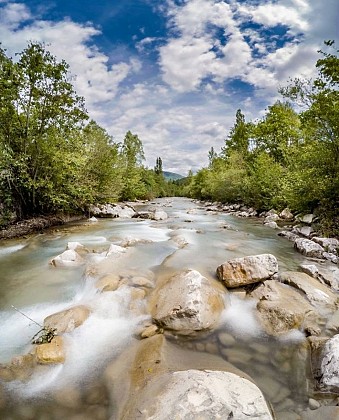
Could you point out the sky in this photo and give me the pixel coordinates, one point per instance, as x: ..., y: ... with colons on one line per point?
x: 174, y: 72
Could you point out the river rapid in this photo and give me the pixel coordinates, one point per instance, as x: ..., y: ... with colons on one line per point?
x: 191, y: 238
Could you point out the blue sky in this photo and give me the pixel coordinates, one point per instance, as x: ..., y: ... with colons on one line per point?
x: 175, y: 71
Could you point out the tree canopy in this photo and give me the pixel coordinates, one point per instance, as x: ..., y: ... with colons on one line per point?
x: 288, y: 158
x: 51, y: 158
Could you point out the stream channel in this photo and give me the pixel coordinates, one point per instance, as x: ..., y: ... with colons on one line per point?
x: 191, y: 238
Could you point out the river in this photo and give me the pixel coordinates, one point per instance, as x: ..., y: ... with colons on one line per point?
x: 191, y: 238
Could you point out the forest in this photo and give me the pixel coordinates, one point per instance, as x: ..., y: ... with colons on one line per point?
x: 54, y: 159
x: 289, y: 158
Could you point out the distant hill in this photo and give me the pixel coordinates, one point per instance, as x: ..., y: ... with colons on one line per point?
x: 172, y: 176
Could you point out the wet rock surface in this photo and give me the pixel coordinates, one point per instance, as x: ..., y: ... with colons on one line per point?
x: 188, y: 343
x: 247, y: 270
x: 51, y: 353
x: 281, y: 309
x: 187, y: 303
x: 67, y: 320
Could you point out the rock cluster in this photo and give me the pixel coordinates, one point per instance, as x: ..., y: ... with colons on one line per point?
x: 112, y: 210
x: 187, y: 308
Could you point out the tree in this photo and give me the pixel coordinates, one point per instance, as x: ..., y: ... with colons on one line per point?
x: 103, y: 168
x: 39, y: 110
x: 158, y: 166
x: 279, y: 130
x: 132, y: 154
x: 238, y: 138
x: 320, y: 120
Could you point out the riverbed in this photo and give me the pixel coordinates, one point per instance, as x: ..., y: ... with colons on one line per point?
x: 190, y: 238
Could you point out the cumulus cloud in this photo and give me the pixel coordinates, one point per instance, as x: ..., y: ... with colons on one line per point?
x: 97, y: 81
x: 190, y: 105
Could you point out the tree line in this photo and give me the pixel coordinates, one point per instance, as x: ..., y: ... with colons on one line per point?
x: 289, y: 158
x: 52, y: 157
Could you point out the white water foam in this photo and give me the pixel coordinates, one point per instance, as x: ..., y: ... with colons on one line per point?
x: 89, y: 347
x: 6, y: 250
x: 239, y: 318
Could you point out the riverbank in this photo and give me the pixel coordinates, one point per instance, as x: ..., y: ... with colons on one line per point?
x: 36, y: 225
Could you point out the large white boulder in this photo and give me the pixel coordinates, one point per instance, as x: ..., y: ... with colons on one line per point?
x: 309, y: 248
x: 68, y: 258
x: 159, y: 215
x: 247, y: 270
x: 330, y: 364
x: 196, y: 394
x: 188, y: 302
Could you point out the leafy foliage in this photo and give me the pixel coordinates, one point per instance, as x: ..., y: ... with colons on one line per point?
x: 287, y: 158
x: 50, y: 159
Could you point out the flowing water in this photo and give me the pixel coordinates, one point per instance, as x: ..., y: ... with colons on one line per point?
x: 191, y: 238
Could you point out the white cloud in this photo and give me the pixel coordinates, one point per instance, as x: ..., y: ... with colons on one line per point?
x: 13, y: 14
x: 188, y: 107
x: 272, y: 14
x: 95, y: 79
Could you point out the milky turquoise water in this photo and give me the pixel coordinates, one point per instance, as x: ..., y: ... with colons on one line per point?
x: 190, y: 238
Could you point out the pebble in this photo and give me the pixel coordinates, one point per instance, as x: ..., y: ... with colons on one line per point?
x: 226, y: 339
x: 212, y: 348
x: 313, y: 404
x: 149, y: 331
x: 238, y: 355
x: 260, y: 348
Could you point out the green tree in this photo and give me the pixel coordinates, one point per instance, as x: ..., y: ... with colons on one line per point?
x: 132, y: 154
x: 320, y: 120
x: 39, y: 110
x: 238, y: 139
x: 158, y: 166
x: 103, y: 169
x: 279, y: 130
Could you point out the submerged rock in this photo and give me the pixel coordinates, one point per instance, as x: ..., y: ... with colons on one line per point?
x: 247, y: 270
x: 115, y: 250
x: 187, y: 303
x: 108, y: 283
x: 20, y: 368
x: 67, y: 320
x: 150, y: 331
x: 168, y: 382
x: 77, y: 247
x: 281, y: 309
x: 317, y: 293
